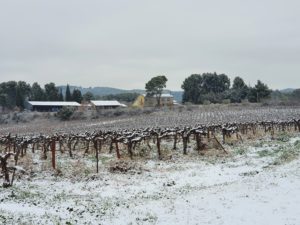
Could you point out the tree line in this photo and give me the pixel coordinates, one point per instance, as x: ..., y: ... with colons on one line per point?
x: 13, y: 94
x: 198, y: 89
x: 124, y: 97
x: 216, y: 88
x: 209, y: 88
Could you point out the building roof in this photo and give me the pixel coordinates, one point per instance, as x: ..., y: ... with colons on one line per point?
x: 166, y: 95
x: 42, y: 103
x: 107, y: 103
x: 175, y: 102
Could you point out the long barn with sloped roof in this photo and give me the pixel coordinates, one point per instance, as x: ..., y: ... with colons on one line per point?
x: 47, y: 106
x: 105, y: 104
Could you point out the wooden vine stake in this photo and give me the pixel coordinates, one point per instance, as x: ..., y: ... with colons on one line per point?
x: 53, y: 153
x: 97, y: 156
x: 219, y: 144
x: 117, y: 150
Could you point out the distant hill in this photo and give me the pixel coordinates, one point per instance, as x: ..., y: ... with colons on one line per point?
x: 287, y: 90
x: 177, y: 95
x: 101, y: 91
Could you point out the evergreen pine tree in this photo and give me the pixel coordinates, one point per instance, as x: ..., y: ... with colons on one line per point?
x: 77, y: 96
x: 37, y: 93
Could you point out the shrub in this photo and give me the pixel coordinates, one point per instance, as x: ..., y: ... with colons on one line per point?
x: 206, y: 102
x: 283, y: 137
x: 226, y: 101
x: 65, y: 113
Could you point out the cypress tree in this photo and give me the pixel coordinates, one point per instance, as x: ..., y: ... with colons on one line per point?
x: 68, y: 94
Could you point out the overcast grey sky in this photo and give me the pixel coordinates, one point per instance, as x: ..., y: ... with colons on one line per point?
x: 124, y: 43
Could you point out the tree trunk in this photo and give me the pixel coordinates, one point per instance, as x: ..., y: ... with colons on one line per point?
x: 130, y: 149
x: 175, y: 142
x: 158, y: 147
x: 185, y: 142
x: 53, y: 149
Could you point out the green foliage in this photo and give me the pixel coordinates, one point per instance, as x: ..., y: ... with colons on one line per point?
x: 297, y: 144
x: 3, y: 98
x: 238, y: 83
x: 155, y: 87
x: 239, y: 90
x: 124, y: 97
x: 61, y: 96
x: 65, y: 113
x: 213, y: 97
x: 252, y: 95
x: 192, y: 88
x: 215, y: 88
x: 206, y: 102
x: 68, y: 94
x: 278, y: 97
x: 240, y: 151
x: 265, y: 153
x: 262, y: 91
x: 238, y: 95
x: 214, y: 83
x: 286, y: 155
x: 259, y: 92
x: 283, y: 137
x: 206, y: 87
x: 282, y: 152
x: 8, y: 90
x: 77, y: 96
x: 14, y: 93
x: 23, y: 91
x: 51, y: 92
x: 296, y: 94
x: 37, y: 93
x: 88, y: 96
x: 226, y: 101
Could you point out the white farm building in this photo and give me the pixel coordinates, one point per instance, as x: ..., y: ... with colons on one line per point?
x: 47, y: 106
x: 105, y: 104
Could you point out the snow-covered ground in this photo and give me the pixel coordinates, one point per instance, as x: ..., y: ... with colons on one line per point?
x: 257, y: 183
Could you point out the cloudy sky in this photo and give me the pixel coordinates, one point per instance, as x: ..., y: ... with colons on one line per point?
x: 123, y: 43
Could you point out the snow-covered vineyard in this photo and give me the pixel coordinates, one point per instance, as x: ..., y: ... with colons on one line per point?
x: 257, y: 184
x: 236, y: 166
